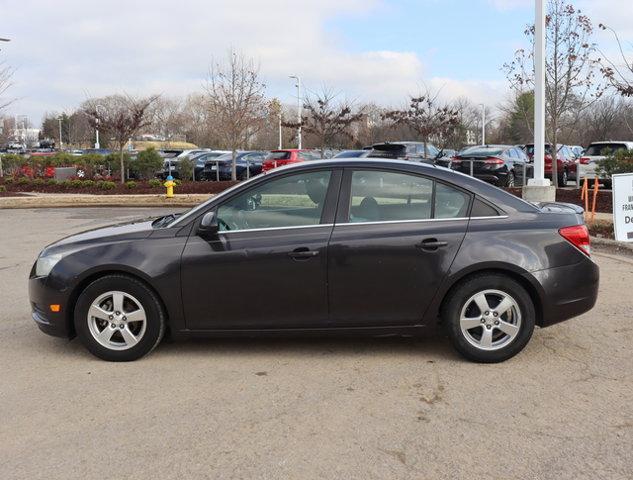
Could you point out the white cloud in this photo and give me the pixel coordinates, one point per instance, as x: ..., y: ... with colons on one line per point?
x: 66, y: 51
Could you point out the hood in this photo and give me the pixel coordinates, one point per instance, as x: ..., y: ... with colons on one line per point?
x: 121, y: 232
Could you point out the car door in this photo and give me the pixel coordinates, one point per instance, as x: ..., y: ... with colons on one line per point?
x: 267, y: 266
x: 395, y: 237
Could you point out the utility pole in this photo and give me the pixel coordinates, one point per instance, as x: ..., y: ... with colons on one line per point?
x: 299, y: 108
x: 538, y: 188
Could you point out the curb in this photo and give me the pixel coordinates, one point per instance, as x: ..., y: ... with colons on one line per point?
x: 77, y: 201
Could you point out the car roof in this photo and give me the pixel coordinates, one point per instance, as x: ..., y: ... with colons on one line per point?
x: 601, y: 142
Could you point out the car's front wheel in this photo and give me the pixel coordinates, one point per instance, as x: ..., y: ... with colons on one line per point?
x: 119, y: 319
x: 489, y: 318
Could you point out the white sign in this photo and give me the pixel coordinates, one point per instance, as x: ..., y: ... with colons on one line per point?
x: 623, y: 206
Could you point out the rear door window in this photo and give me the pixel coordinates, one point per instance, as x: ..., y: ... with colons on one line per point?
x: 380, y: 196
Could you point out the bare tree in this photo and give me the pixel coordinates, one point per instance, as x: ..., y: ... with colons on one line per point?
x: 570, y: 65
x: 6, y: 74
x: 619, y: 76
x: 120, y: 117
x: 327, y: 119
x: 235, y: 100
x: 426, y: 117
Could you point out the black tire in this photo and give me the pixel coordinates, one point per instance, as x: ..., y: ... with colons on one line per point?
x: 510, y: 179
x: 464, y: 291
x: 154, y: 323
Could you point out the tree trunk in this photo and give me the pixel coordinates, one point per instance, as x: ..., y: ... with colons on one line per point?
x: 121, y: 158
x: 234, y: 165
x: 554, y: 156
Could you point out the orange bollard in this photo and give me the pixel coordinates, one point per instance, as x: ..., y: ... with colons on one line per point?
x: 595, y: 197
x: 584, y: 195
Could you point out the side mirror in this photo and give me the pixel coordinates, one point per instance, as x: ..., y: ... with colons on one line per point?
x: 208, y: 225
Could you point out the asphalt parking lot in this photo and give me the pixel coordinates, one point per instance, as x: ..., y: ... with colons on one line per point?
x: 309, y: 408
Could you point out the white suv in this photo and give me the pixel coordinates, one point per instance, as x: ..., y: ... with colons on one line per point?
x: 595, y: 153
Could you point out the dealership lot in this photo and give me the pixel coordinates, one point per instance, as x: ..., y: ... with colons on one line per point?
x: 310, y: 408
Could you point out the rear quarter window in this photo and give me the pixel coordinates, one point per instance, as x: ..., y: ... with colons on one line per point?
x: 482, y: 209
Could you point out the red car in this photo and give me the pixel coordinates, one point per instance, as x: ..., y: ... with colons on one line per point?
x: 566, y: 165
x: 278, y: 158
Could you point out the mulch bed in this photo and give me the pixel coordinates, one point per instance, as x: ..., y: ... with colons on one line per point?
x: 12, y: 194
x: 141, y: 188
x: 604, y: 200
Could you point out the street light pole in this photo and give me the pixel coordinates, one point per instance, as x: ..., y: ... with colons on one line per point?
x: 61, y: 143
x: 483, y: 124
x: 280, y: 137
x: 97, y: 144
x: 539, y: 96
x: 299, y: 108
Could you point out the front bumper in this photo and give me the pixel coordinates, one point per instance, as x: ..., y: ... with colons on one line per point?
x: 569, y: 291
x: 41, y: 296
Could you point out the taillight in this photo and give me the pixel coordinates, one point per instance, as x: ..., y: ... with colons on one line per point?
x: 455, y: 160
x: 494, y: 161
x: 584, y: 160
x: 578, y: 236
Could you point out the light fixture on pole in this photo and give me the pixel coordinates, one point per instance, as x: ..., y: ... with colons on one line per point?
x: 299, y: 108
x: 483, y: 123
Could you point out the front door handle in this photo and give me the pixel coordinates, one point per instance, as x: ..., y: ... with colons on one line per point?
x: 303, y: 253
x: 431, y: 244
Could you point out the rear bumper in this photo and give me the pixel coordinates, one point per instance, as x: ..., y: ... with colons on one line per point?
x: 41, y: 297
x: 569, y: 291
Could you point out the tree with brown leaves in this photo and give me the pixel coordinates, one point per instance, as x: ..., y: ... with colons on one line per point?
x: 426, y: 117
x: 619, y: 76
x: 120, y: 117
x: 570, y: 66
x: 326, y: 119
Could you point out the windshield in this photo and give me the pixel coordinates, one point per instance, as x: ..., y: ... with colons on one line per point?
x: 278, y: 156
x: 604, y: 148
x: 529, y: 149
x: 351, y: 154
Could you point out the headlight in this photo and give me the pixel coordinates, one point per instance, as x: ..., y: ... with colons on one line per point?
x: 45, y: 264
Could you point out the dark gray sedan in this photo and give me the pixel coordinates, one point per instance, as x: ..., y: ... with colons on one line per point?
x: 369, y: 246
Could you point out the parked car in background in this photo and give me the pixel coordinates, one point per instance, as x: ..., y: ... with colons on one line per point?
x: 594, y: 154
x: 501, y: 165
x: 353, y: 154
x: 173, y: 158
x: 566, y: 165
x: 278, y: 158
x: 407, y: 150
x: 247, y: 164
x: 365, y: 246
x: 577, y: 150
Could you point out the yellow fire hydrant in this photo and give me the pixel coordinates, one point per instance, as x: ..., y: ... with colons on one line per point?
x: 169, y: 184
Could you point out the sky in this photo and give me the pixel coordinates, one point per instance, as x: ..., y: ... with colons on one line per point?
x: 368, y: 50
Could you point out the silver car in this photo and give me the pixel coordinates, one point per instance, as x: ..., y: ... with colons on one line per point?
x: 595, y: 153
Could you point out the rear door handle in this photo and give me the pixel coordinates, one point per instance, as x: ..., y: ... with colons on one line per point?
x: 303, y: 253
x: 431, y: 244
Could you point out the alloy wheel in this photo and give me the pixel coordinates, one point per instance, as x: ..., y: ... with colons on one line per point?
x: 490, y: 320
x: 117, y: 320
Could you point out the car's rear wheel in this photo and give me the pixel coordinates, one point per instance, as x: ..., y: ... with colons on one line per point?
x: 489, y: 318
x: 119, y: 319
x: 510, y: 181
